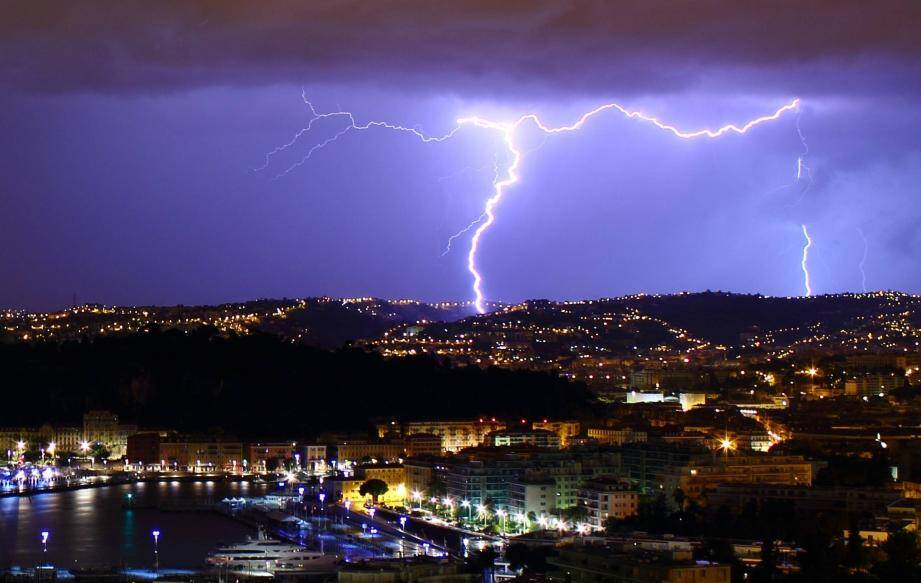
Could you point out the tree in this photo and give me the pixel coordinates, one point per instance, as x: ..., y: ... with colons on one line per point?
x: 482, y: 561
x: 531, y: 559
x: 718, y: 550
x: 373, y: 487
x: 99, y: 451
x: 679, y: 497
x: 576, y: 513
x: 855, y: 555
x: 903, y: 558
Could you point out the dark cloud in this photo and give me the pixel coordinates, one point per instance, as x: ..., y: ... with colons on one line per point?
x: 639, y: 45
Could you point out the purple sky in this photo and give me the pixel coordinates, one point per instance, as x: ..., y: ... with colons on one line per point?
x: 129, y: 133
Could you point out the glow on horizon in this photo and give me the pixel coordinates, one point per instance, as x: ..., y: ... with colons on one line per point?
x: 508, y: 130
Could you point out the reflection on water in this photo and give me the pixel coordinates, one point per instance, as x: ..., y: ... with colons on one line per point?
x: 90, y: 527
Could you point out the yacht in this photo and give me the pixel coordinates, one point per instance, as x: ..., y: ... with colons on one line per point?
x: 265, y: 556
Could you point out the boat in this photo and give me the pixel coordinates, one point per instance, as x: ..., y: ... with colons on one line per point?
x: 265, y: 556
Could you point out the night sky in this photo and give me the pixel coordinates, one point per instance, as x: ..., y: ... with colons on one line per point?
x: 130, y: 133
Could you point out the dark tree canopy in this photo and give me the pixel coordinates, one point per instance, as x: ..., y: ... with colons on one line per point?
x: 259, y: 385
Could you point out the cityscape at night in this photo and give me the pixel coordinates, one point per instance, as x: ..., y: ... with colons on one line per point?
x: 424, y: 291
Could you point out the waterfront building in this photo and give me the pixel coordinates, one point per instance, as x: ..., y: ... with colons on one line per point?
x: 313, y: 458
x: 200, y: 454
x: 422, y: 474
x: 102, y: 427
x: 342, y: 488
x: 532, y: 495
x: 65, y: 439
x: 267, y: 457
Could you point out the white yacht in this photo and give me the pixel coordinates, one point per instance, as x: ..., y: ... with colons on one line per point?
x: 265, y: 556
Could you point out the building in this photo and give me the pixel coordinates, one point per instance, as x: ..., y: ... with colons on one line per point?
x: 357, y: 450
x: 102, y: 427
x: 734, y: 498
x: 533, y: 437
x: 60, y: 440
x: 565, y: 430
x: 422, y: 474
x: 144, y: 447
x: 490, y: 477
x: 269, y: 457
x: 607, y: 497
x: 423, y: 444
x: 342, y: 488
x: 313, y: 458
x: 535, y: 496
x: 872, y: 384
x: 698, y: 477
x: 615, y: 435
x: 455, y: 435
x: 200, y: 454
x: 482, y: 481
x: 598, y: 564
x: 655, y: 467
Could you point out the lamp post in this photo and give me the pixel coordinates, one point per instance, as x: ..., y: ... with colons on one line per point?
x: 156, y: 537
x: 466, y: 504
x: 45, y: 536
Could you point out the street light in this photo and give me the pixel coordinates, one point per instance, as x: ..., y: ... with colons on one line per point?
x: 466, y: 504
x: 501, y: 514
x: 156, y: 537
x: 45, y: 535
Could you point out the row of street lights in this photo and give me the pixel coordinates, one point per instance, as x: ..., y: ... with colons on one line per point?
x: 46, y: 534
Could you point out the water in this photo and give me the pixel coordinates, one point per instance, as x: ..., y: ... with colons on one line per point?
x: 90, y: 527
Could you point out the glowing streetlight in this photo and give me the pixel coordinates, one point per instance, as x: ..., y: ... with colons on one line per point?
x: 45, y: 536
x: 156, y: 537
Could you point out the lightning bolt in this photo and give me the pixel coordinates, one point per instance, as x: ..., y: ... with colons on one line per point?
x: 476, y: 221
x: 804, y: 264
x: 863, y: 260
x: 507, y: 131
x: 801, y: 168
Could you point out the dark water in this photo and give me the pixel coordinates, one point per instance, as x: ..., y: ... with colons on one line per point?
x: 91, y: 528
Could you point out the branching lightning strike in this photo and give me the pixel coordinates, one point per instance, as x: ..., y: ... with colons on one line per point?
x: 507, y: 131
